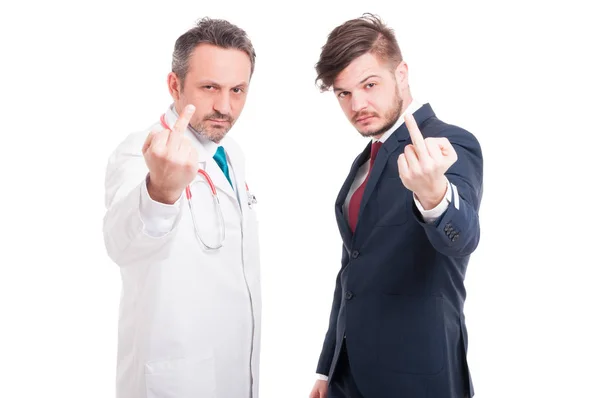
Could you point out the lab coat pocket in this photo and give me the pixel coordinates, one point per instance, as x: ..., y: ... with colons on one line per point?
x: 181, y: 378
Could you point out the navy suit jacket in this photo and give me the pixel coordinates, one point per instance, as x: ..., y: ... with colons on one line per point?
x: 399, y: 295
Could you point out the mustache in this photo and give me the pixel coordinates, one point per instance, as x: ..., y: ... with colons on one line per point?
x: 219, y: 116
x: 362, y: 114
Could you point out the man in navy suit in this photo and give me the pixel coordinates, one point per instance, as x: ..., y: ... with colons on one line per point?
x: 408, y: 218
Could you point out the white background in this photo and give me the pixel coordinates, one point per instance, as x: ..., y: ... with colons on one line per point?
x: 77, y: 78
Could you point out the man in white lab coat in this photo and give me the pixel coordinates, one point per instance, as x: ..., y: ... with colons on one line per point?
x: 190, y: 311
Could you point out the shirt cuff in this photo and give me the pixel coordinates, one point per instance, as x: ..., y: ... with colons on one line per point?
x: 430, y: 216
x: 322, y: 377
x: 158, y: 218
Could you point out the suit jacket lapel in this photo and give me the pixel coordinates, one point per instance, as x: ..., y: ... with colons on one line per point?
x: 388, y: 147
x: 342, y: 220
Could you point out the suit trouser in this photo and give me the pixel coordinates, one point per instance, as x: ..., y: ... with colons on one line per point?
x: 342, y: 384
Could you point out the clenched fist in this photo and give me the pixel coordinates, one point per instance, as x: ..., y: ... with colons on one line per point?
x: 171, y: 159
x: 423, y: 165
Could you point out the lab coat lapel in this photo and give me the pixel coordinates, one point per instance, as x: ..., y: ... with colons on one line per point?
x: 236, y: 171
x: 219, y: 179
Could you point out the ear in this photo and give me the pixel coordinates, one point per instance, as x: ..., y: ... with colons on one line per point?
x: 174, y: 85
x: 401, y: 74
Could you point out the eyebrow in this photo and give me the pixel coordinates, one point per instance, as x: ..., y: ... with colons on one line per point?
x: 335, y: 89
x: 213, y: 83
x: 208, y: 83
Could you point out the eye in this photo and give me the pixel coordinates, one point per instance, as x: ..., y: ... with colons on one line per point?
x: 209, y: 87
x: 370, y: 85
x: 238, y: 90
x: 343, y: 94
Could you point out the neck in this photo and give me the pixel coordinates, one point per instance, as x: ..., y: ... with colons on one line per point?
x: 407, y: 99
x: 176, y: 107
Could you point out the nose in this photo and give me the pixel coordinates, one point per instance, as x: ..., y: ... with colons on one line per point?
x: 222, y: 103
x: 359, y: 102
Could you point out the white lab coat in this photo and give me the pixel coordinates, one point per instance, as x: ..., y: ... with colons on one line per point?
x: 189, y: 322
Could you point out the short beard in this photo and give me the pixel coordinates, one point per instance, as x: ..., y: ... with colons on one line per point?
x: 216, y: 134
x: 391, y: 117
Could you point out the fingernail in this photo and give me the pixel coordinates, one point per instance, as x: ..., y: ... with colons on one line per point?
x: 190, y: 108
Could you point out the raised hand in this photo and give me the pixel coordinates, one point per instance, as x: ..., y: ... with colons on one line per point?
x: 171, y: 159
x: 423, y: 165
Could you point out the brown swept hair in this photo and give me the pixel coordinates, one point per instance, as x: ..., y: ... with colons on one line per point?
x: 353, y: 39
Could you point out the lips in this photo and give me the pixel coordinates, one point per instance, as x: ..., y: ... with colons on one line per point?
x: 364, y: 119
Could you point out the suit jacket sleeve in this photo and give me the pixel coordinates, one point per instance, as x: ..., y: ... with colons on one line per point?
x: 330, y: 337
x: 456, y: 232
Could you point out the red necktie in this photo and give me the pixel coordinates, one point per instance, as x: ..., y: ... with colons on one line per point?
x: 356, y: 198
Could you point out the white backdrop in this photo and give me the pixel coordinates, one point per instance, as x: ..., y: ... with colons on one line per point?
x: 78, y: 77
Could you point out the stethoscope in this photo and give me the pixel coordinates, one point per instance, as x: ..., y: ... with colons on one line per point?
x: 217, y: 204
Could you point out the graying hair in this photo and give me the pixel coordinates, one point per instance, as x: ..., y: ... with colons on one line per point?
x: 217, y: 32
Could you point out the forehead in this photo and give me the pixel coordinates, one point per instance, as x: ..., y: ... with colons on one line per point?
x: 226, y: 66
x: 363, y: 66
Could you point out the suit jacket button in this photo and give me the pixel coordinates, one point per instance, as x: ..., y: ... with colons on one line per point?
x: 349, y: 295
x: 355, y: 254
